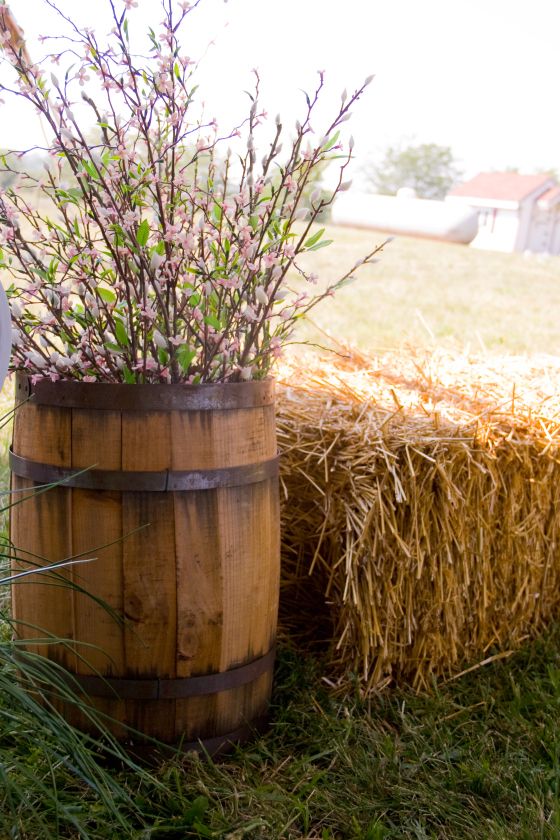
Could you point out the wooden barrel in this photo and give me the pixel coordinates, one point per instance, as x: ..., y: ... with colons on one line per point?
x: 173, y: 489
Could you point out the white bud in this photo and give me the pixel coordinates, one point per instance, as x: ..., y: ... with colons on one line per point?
x: 345, y: 117
x: 246, y: 373
x: 278, y: 119
x: 36, y: 359
x: 54, y: 80
x: 156, y: 260
x: 160, y: 340
x: 316, y: 195
x: 261, y: 295
x: 16, y: 309
x: 351, y: 143
x: 345, y: 186
x: 248, y: 313
x: 301, y: 213
x: 52, y: 297
x: 344, y: 96
x: 369, y: 80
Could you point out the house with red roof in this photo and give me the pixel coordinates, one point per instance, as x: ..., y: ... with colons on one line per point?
x: 515, y: 212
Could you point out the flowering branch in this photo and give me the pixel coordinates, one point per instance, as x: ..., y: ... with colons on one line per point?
x: 145, y: 253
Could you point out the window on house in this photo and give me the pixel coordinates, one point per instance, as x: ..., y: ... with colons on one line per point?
x: 487, y: 218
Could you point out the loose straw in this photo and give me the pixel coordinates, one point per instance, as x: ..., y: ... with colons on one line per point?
x: 421, y: 516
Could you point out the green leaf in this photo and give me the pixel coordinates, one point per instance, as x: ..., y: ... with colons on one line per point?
x: 322, y: 244
x: 331, y: 142
x: 314, y: 239
x: 212, y: 321
x: 106, y: 295
x: 163, y: 356
x: 185, y: 357
x: 143, y: 232
x: 90, y: 169
x: 128, y: 376
x: 121, y: 333
x: 194, y: 300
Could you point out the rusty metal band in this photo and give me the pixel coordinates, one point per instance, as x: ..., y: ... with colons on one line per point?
x: 174, y: 689
x: 214, y: 746
x: 137, y: 481
x: 109, y: 396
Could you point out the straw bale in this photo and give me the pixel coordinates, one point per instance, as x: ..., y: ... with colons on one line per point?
x: 421, y: 510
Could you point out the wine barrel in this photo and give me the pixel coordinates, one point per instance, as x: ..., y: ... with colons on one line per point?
x: 172, y: 490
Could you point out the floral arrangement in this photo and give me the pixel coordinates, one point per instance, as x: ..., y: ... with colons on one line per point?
x: 145, y: 252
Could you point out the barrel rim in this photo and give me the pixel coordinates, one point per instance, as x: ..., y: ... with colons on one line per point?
x: 117, y: 396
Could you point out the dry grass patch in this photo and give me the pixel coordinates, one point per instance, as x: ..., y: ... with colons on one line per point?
x: 421, y: 527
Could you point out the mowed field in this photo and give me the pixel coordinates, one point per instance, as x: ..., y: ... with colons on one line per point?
x: 424, y: 292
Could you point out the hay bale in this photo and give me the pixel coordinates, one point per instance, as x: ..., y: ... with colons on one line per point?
x: 421, y: 523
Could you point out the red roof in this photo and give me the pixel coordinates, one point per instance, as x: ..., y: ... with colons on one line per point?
x: 551, y: 196
x: 501, y: 186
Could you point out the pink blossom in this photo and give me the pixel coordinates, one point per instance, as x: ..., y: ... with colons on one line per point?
x: 270, y: 259
x: 82, y: 76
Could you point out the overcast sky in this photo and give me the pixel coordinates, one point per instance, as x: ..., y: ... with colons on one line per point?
x: 481, y: 76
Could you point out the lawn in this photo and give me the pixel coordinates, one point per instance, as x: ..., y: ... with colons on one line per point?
x: 424, y: 292
x: 477, y: 757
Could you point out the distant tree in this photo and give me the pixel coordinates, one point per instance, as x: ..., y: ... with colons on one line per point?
x: 431, y: 170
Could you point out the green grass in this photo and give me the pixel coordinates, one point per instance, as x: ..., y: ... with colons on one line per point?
x: 423, y: 292
x: 479, y: 758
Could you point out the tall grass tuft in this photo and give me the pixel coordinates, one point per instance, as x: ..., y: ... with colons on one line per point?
x: 56, y: 781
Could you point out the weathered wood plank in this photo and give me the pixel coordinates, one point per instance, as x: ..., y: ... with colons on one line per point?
x: 40, y: 529
x: 149, y: 571
x: 97, y: 533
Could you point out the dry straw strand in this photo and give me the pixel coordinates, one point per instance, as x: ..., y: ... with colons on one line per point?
x: 420, y: 540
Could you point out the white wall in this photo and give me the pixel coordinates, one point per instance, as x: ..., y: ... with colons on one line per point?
x: 497, y: 229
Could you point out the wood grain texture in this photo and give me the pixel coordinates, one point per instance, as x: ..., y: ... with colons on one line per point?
x: 41, y: 533
x: 195, y: 575
x: 97, y: 534
x: 214, y: 439
x: 149, y: 570
x: 199, y: 605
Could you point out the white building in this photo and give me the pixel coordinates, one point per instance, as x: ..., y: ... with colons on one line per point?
x: 515, y: 212
x: 404, y: 214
